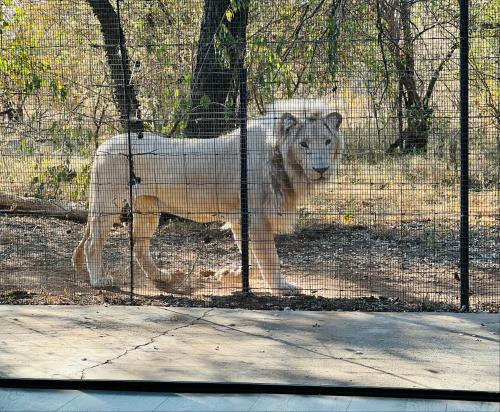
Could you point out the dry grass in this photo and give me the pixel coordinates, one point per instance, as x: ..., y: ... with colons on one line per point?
x: 400, y: 190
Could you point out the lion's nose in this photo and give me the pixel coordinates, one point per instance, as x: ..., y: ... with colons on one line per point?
x: 320, y: 170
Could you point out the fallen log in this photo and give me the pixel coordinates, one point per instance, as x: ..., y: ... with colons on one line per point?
x: 13, y: 204
x: 33, y: 206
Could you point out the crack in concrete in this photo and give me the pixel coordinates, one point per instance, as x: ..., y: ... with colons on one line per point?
x: 142, y: 345
x: 220, y: 327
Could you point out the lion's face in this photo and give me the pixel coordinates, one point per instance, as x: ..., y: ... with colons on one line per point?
x: 314, y: 144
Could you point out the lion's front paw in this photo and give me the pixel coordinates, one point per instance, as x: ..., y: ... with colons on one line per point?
x: 229, y: 276
x: 176, y: 281
x: 288, y: 288
x: 160, y: 275
x: 233, y: 275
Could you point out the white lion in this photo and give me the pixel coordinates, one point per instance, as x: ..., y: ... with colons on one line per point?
x: 293, y: 148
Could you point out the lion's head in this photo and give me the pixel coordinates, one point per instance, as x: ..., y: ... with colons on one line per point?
x: 311, y: 144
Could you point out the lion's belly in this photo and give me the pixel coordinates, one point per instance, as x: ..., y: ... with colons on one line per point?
x: 199, y: 200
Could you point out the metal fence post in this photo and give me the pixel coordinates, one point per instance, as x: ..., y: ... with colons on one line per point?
x: 464, y: 154
x: 245, y: 270
x: 132, y: 177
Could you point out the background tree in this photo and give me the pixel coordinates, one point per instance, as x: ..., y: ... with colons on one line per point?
x: 119, y: 64
x: 216, y: 76
x: 398, y: 37
x: 367, y: 58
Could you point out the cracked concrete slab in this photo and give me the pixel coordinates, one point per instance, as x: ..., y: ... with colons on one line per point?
x: 426, y: 350
x: 149, y: 341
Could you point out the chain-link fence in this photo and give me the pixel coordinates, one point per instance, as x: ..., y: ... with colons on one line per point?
x: 342, y: 171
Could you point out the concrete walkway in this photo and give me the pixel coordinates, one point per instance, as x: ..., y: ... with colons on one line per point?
x: 424, y: 350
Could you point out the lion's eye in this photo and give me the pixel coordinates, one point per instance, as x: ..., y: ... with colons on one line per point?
x: 328, y: 142
x: 304, y: 144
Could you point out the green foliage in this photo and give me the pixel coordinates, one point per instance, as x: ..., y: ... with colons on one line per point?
x: 225, y: 44
x: 22, y: 69
x: 81, y: 182
x: 272, y: 70
x: 58, y: 88
x: 349, y: 216
x: 52, y: 65
x: 49, y: 180
x: 205, y: 101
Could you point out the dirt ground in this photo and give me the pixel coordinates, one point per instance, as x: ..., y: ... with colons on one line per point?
x: 412, y: 266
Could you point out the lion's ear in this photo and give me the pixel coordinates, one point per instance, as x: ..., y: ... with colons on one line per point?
x: 334, y: 120
x: 288, y: 121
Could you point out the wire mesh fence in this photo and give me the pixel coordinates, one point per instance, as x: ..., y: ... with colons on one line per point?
x: 187, y: 152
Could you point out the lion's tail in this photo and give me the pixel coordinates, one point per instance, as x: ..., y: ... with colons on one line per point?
x: 78, y: 258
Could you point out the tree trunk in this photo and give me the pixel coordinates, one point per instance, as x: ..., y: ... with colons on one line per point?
x: 416, y: 135
x: 336, y: 18
x: 121, y: 73
x: 216, y: 77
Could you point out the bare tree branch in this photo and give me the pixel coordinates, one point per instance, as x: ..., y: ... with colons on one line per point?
x: 435, y: 75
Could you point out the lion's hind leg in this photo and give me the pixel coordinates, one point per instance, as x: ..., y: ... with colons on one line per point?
x: 78, y: 258
x: 146, y: 220
x: 99, y: 227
